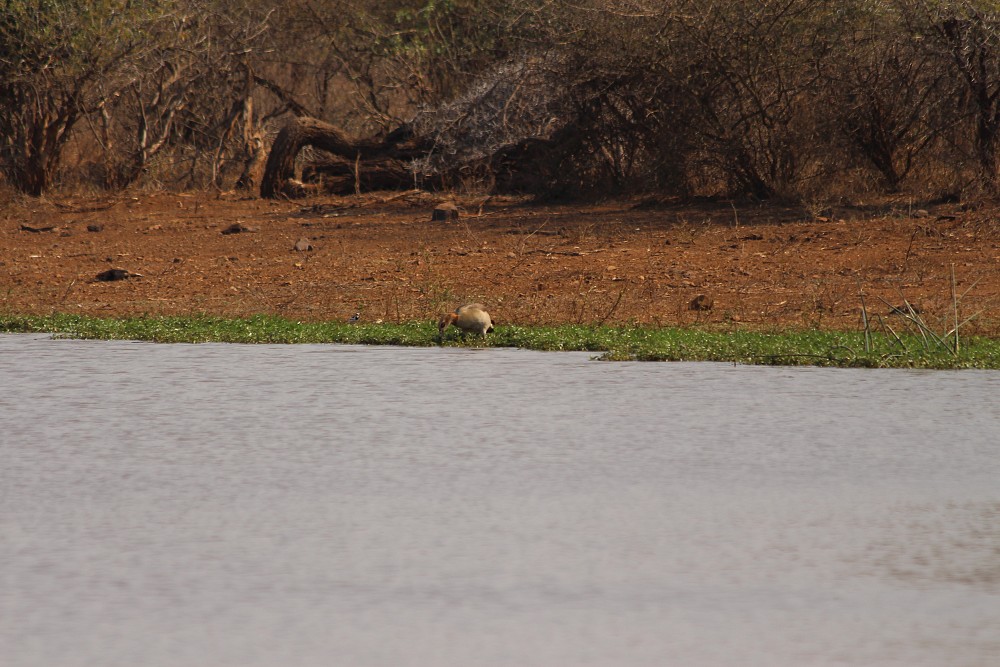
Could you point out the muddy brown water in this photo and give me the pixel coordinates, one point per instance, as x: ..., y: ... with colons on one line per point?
x: 229, y: 505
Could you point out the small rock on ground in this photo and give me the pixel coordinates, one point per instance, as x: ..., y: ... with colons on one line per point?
x: 701, y: 302
x: 238, y: 228
x: 113, y: 274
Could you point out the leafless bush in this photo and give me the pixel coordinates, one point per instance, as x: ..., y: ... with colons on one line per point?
x: 190, y: 97
x: 963, y: 38
x: 761, y: 98
x: 518, y: 100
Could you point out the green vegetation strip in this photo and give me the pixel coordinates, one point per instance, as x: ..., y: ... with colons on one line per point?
x: 817, y: 348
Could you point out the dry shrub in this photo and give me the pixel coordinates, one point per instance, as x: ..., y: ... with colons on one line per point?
x: 764, y: 98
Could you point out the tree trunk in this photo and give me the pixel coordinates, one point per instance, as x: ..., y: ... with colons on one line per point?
x: 252, y: 163
x: 36, y: 132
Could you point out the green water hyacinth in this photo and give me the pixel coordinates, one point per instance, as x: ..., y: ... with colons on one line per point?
x: 614, y: 343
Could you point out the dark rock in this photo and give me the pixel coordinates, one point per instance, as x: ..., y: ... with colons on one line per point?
x: 36, y: 230
x: 238, y: 228
x: 701, y: 302
x: 113, y: 274
x: 95, y: 228
x: 445, y: 212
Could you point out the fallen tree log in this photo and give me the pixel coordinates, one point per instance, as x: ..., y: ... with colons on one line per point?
x: 533, y: 165
x: 279, y: 171
x: 343, y: 177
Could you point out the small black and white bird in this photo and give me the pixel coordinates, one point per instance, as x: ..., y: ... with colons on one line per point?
x: 354, y: 318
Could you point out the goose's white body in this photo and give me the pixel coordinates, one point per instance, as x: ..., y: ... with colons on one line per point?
x: 470, y: 318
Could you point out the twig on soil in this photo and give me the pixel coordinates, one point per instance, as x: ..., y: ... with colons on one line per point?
x: 614, y: 307
x: 69, y: 288
x: 482, y: 205
x: 328, y: 210
x: 567, y: 253
x: 521, y: 251
x: 91, y: 208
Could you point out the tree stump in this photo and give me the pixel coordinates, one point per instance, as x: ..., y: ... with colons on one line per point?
x: 445, y: 212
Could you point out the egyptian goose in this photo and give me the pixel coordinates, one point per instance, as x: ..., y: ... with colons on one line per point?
x: 470, y: 318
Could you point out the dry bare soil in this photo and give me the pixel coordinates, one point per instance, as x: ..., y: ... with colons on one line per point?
x: 760, y: 266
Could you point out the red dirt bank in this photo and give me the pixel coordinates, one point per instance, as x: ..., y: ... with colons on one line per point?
x: 762, y: 266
